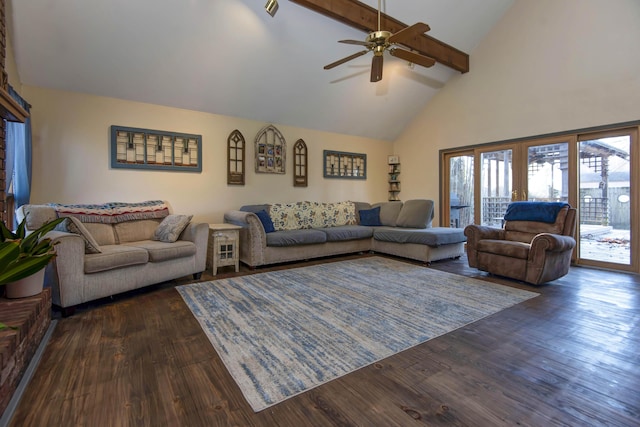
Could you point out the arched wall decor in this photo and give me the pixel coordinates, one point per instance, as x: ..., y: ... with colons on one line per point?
x: 235, y: 158
x: 300, y: 162
x: 271, y: 150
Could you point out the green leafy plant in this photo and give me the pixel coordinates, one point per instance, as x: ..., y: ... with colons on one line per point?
x: 22, y: 255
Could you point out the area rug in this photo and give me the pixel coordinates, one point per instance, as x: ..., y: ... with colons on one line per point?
x: 284, y: 332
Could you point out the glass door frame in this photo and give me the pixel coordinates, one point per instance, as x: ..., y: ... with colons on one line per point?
x: 572, y: 165
x: 478, y: 181
x: 634, y: 262
x: 520, y: 148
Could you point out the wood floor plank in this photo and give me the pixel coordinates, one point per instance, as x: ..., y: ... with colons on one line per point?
x: 565, y: 358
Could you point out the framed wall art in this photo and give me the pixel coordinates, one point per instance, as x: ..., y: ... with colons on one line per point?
x: 340, y: 164
x: 300, y: 167
x: 135, y: 148
x: 271, y: 151
x: 235, y: 158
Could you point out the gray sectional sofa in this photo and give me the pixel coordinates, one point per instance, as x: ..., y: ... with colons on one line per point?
x: 103, y: 250
x: 276, y: 233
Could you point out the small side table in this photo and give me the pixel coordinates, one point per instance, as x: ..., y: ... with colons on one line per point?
x: 224, y: 241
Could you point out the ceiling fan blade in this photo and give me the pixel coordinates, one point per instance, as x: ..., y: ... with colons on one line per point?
x: 376, y: 68
x: 415, y: 58
x: 358, y: 42
x: 409, y: 32
x: 343, y: 60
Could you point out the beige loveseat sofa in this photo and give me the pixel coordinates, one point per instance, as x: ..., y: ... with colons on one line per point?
x: 116, y: 247
x: 276, y: 233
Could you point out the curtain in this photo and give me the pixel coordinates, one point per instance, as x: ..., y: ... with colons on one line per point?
x: 18, y: 156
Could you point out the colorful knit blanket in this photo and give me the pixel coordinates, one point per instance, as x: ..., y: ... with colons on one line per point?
x: 113, y: 212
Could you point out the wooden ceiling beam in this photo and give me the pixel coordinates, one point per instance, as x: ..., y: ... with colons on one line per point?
x: 363, y: 17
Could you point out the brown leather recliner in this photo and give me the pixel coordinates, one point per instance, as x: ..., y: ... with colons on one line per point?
x: 535, y: 252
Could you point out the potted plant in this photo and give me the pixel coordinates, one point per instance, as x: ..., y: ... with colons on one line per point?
x: 23, y: 256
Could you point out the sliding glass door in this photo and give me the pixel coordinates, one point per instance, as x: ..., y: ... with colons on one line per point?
x: 461, y: 191
x: 547, y: 174
x: 496, y: 185
x: 590, y: 171
x: 606, y: 198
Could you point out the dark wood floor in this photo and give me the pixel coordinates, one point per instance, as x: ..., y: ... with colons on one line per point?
x: 568, y: 357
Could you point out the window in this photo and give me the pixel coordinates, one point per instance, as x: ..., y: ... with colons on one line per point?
x: 589, y: 168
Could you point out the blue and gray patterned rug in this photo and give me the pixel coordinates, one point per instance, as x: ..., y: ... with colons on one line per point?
x: 284, y: 332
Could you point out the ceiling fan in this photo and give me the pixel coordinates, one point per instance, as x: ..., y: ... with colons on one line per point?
x: 380, y: 41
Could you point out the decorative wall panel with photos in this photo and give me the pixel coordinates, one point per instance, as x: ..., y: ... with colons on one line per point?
x: 339, y: 164
x: 271, y: 151
x: 135, y: 148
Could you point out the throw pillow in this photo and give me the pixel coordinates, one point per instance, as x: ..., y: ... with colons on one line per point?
x: 170, y: 228
x: 370, y: 217
x: 265, y: 219
x: 73, y: 225
x: 389, y: 212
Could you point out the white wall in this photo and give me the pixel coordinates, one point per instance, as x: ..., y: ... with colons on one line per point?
x: 547, y: 66
x: 71, y: 162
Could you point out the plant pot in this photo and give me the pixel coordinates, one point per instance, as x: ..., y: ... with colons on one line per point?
x: 27, y: 287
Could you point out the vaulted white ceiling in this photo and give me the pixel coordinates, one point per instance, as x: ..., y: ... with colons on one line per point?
x: 230, y: 57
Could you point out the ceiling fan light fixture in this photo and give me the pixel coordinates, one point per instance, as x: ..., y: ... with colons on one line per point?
x: 271, y: 7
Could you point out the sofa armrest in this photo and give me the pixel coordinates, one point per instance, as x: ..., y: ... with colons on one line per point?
x: 198, y: 233
x: 549, y: 257
x: 65, y: 274
x: 547, y: 242
x: 474, y: 234
x: 253, y: 239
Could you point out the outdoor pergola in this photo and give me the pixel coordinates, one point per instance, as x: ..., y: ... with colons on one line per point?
x: 594, y: 154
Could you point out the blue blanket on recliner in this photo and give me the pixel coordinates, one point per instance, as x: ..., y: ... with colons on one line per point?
x: 534, y: 211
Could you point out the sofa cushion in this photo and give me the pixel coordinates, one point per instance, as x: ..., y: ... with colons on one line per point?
x: 114, y: 256
x: 163, y: 251
x: 170, y: 228
x: 265, y: 219
x: 525, y: 231
x: 134, y: 231
x: 255, y: 208
x: 73, y: 225
x: 347, y: 232
x: 370, y: 217
x: 415, y: 214
x: 434, y: 236
x: 360, y: 206
x: 296, y: 237
x: 103, y: 233
x: 506, y: 248
x: 38, y: 215
x: 389, y: 212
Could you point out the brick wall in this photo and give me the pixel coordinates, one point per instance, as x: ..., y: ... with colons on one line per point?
x: 3, y: 74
